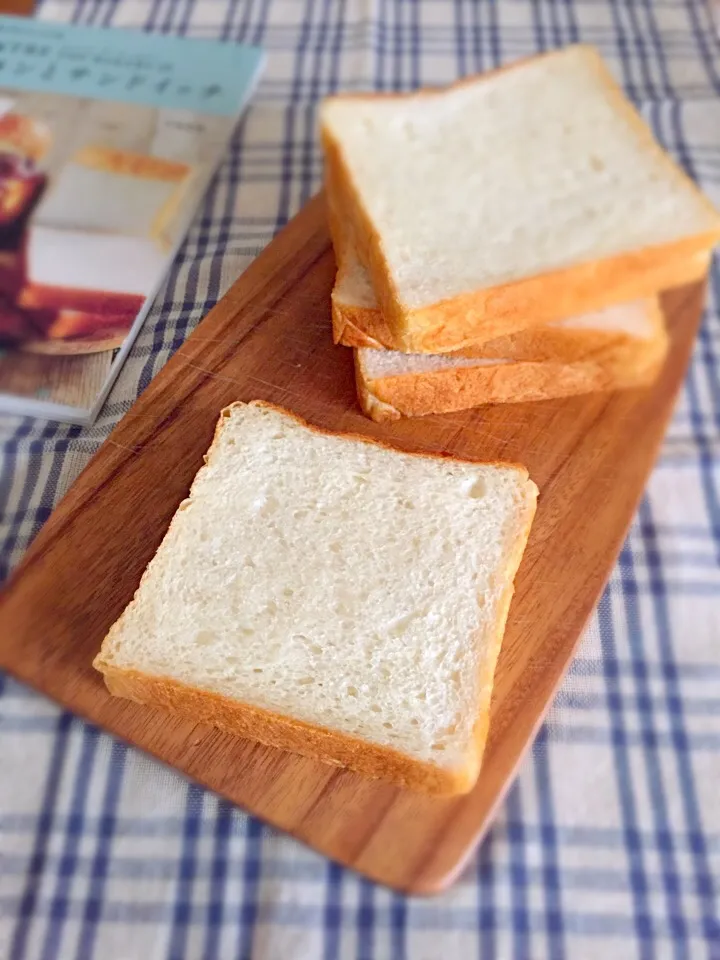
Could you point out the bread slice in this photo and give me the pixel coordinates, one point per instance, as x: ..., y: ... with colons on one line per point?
x: 358, y: 322
x: 105, y: 190
x: 530, y: 194
x: 332, y: 596
x: 393, y: 385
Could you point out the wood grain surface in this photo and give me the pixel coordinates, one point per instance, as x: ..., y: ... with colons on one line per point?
x: 269, y: 338
x: 18, y: 8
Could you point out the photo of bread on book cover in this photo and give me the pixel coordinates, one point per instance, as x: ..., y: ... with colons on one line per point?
x: 108, y: 142
x: 89, y: 205
x: 94, y: 197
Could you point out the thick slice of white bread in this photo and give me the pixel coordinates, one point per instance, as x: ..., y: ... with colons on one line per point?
x: 333, y: 596
x: 105, y: 190
x: 358, y: 322
x: 627, y: 353
x: 527, y: 195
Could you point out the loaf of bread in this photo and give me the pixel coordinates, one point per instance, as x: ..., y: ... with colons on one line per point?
x: 332, y: 596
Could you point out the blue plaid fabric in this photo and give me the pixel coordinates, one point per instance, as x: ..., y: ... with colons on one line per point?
x: 609, y: 842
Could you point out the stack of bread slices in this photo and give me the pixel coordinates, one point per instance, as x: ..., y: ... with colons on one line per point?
x: 505, y: 239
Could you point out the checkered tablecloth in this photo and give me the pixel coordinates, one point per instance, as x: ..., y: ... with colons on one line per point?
x: 608, y: 846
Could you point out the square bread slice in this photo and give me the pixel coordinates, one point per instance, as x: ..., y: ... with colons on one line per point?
x: 530, y: 194
x: 106, y: 190
x: 617, y: 348
x: 358, y: 321
x: 332, y: 596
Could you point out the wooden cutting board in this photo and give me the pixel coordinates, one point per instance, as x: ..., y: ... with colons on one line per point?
x: 270, y: 339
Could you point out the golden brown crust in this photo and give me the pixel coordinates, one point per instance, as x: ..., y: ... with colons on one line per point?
x: 514, y: 551
x: 349, y: 321
x: 378, y: 410
x: 111, y: 160
x: 355, y: 326
x: 460, y: 388
x: 371, y: 441
x: 560, y: 295
x: 497, y: 311
x: 285, y: 733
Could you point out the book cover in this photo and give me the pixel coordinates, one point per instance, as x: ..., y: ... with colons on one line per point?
x: 108, y: 140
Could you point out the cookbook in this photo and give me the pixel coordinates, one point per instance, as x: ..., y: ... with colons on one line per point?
x: 108, y: 140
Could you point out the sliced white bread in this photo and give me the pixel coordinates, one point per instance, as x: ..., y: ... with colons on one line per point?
x: 627, y: 352
x: 358, y: 322
x: 101, y: 189
x: 526, y: 195
x: 332, y: 596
